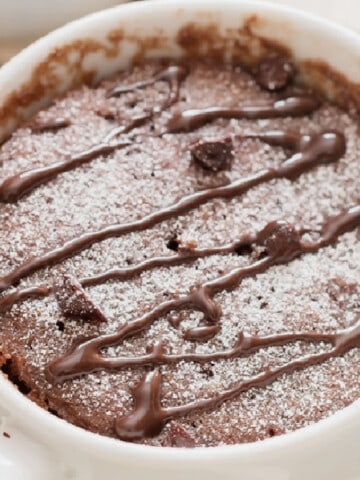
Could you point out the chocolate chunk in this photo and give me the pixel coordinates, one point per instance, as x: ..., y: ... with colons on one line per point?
x: 74, y: 301
x: 177, y: 436
x: 281, y: 239
x: 275, y: 72
x: 173, y: 244
x: 213, y: 155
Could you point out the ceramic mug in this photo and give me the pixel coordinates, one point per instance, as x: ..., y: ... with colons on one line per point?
x: 45, y: 447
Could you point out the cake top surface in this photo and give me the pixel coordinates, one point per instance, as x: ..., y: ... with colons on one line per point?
x: 180, y: 256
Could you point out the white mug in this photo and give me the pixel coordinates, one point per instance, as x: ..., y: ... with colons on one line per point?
x: 44, y: 447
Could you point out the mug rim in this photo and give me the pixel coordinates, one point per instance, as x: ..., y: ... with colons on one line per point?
x: 105, y: 447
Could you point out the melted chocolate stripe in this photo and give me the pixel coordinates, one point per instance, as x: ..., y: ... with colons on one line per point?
x: 184, y: 256
x: 16, y: 186
x: 280, y: 138
x: 337, y: 225
x: 148, y: 416
x: 245, y: 345
x: 50, y: 125
x: 204, y: 332
x: 7, y: 301
x: 324, y: 147
x: 135, y: 122
x: 125, y: 273
x: 13, y: 188
x: 289, y: 107
x: 85, y: 357
x: 282, y: 243
x: 174, y: 75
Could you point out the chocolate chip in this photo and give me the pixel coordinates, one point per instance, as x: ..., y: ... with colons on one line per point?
x: 275, y: 72
x: 213, y: 155
x: 60, y: 325
x: 272, y: 431
x: 173, y: 244
x: 74, y: 301
x: 280, y: 239
x: 177, y: 436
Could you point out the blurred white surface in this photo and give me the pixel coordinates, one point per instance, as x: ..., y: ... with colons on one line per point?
x: 28, y: 19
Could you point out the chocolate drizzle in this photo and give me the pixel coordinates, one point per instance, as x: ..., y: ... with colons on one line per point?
x: 16, y: 186
x: 7, y: 301
x: 204, y: 332
x: 324, y: 147
x: 126, y: 273
x: 13, y: 188
x: 288, y: 107
x: 282, y: 242
x: 174, y: 75
x: 53, y: 125
x: 148, y: 417
x: 279, y: 242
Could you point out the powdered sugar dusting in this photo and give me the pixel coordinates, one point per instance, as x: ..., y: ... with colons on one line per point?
x: 315, y: 292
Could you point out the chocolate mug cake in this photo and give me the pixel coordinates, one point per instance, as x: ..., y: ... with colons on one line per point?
x: 180, y: 254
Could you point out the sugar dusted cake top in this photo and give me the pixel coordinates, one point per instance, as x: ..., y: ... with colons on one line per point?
x: 180, y: 255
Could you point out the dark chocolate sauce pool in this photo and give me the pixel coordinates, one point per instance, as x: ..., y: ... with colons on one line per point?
x: 281, y: 243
